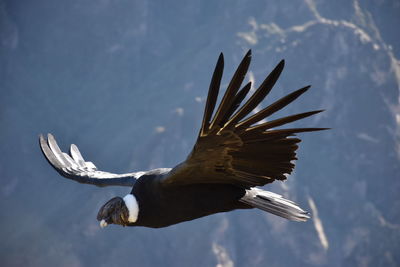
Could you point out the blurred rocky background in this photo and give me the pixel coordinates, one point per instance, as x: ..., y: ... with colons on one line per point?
x: 126, y: 81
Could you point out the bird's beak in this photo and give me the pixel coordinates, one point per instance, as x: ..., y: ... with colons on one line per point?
x: 103, y: 223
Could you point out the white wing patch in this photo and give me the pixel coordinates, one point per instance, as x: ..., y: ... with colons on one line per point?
x: 74, y: 167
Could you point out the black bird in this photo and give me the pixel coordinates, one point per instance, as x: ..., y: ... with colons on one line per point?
x: 234, y: 152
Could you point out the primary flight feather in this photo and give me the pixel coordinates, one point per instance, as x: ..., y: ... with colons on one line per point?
x: 235, y: 152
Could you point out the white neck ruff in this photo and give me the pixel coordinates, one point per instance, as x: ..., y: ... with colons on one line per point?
x: 133, y: 207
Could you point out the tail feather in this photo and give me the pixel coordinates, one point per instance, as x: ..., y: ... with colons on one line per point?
x: 275, y: 204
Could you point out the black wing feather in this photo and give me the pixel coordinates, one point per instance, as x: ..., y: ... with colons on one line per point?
x: 278, y: 122
x: 271, y: 109
x: 234, y: 152
x: 259, y: 95
x: 237, y: 101
x: 212, y: 94
x: 231, y: 91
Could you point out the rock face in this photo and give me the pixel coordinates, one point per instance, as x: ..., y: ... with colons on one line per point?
x: 126, y: 81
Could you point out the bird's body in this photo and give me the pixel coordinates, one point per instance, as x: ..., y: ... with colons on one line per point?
x: 161, y: 205
x: 236, y: 150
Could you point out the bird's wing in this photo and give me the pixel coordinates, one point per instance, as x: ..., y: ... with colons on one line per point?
x: 234, y: 147
x: 74, y: 167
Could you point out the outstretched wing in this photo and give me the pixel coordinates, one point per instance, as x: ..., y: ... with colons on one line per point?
x: 235, y: 148
x: 74, y: 167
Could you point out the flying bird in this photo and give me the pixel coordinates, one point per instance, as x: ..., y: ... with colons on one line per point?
x: 236, y: 151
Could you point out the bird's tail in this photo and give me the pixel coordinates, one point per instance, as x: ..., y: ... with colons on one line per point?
x: 275, y: 204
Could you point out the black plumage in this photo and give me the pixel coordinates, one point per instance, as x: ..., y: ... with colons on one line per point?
x: 234, y: 152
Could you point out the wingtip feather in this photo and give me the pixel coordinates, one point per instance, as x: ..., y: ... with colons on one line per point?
x: 230, y: 93
x: 248, y: 54
x: 220, y: 59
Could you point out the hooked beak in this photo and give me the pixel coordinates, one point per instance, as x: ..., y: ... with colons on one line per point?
x: 103, y: 223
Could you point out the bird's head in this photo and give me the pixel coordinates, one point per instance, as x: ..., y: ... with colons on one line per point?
x: 122, y: 211
x: 113, y: 212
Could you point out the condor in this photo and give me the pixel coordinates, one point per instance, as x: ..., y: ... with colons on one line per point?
x: 235, y: 151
